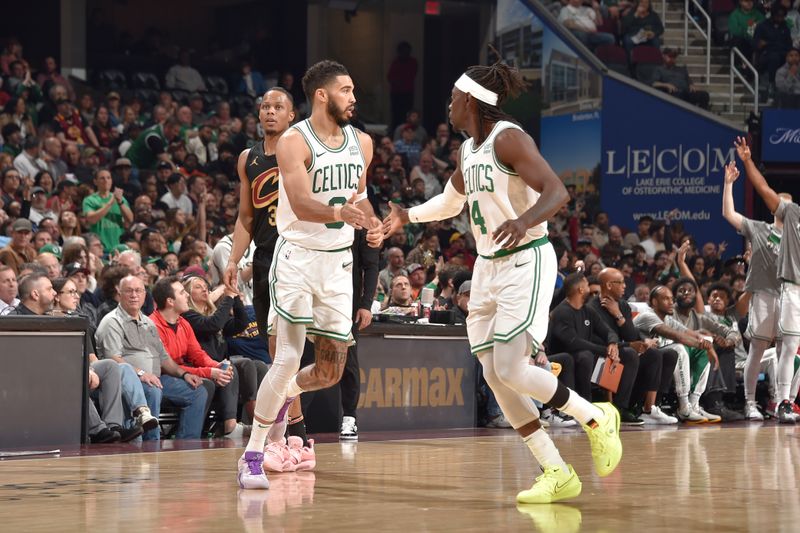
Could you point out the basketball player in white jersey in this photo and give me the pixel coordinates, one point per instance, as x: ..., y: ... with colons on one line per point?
x: 788, y: 276
x: 322, y: 198
x: 511, y: 191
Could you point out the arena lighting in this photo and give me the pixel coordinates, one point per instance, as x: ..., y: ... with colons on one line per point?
x: 433, y: 7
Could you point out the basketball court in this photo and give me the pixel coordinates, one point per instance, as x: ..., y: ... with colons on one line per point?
x: 707, y: 478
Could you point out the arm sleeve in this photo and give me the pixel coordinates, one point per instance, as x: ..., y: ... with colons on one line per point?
x: 442, y: 206
x: 369, y: 265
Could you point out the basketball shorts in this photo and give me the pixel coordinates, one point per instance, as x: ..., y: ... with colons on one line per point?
x: 789, y: 322
x: 762, y: 322
x: 510, y: 296
x: 314, y: 288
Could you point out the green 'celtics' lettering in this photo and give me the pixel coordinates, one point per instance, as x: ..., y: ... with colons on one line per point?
x: 336, y: 200
x: 336, y: 177
x: 478, y: 178
x: 477, y: 218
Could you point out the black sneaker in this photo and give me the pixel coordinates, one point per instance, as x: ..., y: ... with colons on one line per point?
x: 105, y: 436
x: 785, y: 413
x: 127, y: 435
x: 722, y: 411
x: 627, y: 418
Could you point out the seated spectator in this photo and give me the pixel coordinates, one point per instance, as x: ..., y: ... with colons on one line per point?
x: 12, y: 139
x: 50, y: 262
x: 579, y: 330
x: 150, y: 146
x: 696, y: 353
x: 128, y: 336
x: 51, y: 75
x: 19, y: 250
x: 399, y: 301
x: 773, y: 40
x: 787, y: 81
x: 394, y: 267
x: 656, y: 366
x: 28, y: 162
x: 212, y: 324
x: 461, y: 301
x: 181, y: 344
x: 8, y: 290
x: 413, y: 119
x: 426, y: 252
x: 38, y: 210
x: 655, y: 241
x: 251, y: 81
x: 427, y: 173
x: 183, y: 76
x: 642, y: 26
x: 176, y: 196
x: 742, y: 24
x: 582, y: 21
x: 675, y: 80
x: 417, y: 276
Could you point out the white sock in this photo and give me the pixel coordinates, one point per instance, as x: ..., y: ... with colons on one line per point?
x: 683, y: 404
x: 293, y: 390
x: 694, y: 400
x: 580, y: 409
x: 258, y: 437
x: 544, y: 450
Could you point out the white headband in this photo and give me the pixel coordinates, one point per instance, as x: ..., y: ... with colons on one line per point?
x: 465, y: 84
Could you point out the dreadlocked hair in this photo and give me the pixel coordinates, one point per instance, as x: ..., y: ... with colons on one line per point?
x: 499, y: 78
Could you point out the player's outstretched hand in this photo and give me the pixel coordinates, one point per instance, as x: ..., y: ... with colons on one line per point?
x: 374, y: 233
x: 353, y: 215
x: 509, y: 233
x: 230, y: 277
x: 742, y: 149
x: 395, y: 220
x: 731, y: 172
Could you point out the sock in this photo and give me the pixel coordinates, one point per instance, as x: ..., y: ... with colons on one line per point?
x: 294, y: 390
x: 276, y: 432
x: 580, y: 409
x: 694, y: 400
x: 683, y: 404
x: 297, y: 428
x: 258, y: 436
x: 752, y: 367
x: 544, y: 450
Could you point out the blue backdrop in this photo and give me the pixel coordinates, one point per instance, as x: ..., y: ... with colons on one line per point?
x: 780, y: 139
x: 657, y: 157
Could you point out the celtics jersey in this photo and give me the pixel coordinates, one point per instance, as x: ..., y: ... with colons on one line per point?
x: 495, y: 193
x: 765, y: 240
x: 262, y: 171
x: 334, y: 175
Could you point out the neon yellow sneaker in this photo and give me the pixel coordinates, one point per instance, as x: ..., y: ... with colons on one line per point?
x: 556, y: 518
x: 606, y: 446
x: 552, y: 486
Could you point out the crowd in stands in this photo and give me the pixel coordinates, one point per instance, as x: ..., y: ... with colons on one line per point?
x: 119, y: 208
x: 628, y: 36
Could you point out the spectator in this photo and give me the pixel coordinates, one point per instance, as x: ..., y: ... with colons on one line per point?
x: 69, y: 126
x: 742, y: 24
x: 128, y: 336
x: 461, y: 301
x: 252, y: 82
x: 787, y: 81
x: 17, y: 112
x: 656, y: 366
x: 427, y: 174
x: 655, y: 242
x: 394, y: 267
x: 773, y: 40
x: 38, y: 210
x: 582, y: 21
x: 642, y: 232
x: 417, y: 275
x: 181, y: 344
x: 675, y: 80
x: 426, y: 252
x: 202, y: 145
x: 50, y: 75
x: 212, y: 324
x: 400, y: 301
x: 107, y: 212
x: 52, y: 156
x: 19, y: 250
x: 408, y: 147
x: 12, y: 138
x: 150, y: 146
x: 642, y: 26
x: 176, y: 197
x: 8, y: 290
x: 402, y: 76
x: 28, y: 162
x: 183, y: 76
x: 413, y: 119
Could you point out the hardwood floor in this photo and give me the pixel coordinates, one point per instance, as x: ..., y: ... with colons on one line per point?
x: 734, y: 478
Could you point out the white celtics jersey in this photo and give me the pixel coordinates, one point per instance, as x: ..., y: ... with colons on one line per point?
x: 334, y: 175
x: 495, y: 193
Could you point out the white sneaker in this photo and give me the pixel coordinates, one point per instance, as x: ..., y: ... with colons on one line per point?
x: 751, y: 411
x: 711, y: 418
x: 238, y: 431
x: 557, y: 420
x: 349, y: 429
x: 499, y: 422
x: 145, y: 418
x: 691, y: 416
x: 657, y: 416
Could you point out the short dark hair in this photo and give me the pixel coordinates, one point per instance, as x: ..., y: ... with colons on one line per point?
x: 654, y: 293
x: 163, y: 290
x: 27, y: 284
x: 646, y: 218
x: 174, y: 178
x: 719, y: 286
x: 572, y: 281
x: 683, y: 281
x: 320, y: 74
x: 286, y: 93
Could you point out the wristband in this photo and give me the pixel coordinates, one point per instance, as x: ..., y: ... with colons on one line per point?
x: 337, y: 213
x: 183, y: 375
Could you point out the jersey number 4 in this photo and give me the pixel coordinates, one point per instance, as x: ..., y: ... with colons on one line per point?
x: 477, y: 218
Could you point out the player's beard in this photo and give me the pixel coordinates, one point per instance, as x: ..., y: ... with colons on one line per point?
x: 338, y: 115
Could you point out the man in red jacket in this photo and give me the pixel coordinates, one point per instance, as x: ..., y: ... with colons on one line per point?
x: 181, y: 344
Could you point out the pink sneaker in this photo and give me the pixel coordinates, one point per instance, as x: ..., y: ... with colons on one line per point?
x: 303, y: 457
x: 277, y: 457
